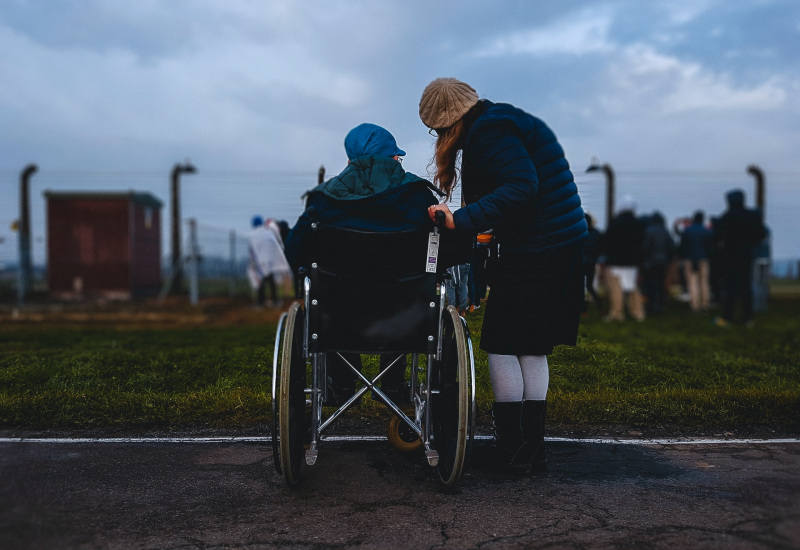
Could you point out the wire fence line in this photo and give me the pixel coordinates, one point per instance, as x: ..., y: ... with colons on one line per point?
x: 223, y: 202
x: 216, y: 260
x: 215, y: 263
x: 226, y: 198
x: 216, y: 257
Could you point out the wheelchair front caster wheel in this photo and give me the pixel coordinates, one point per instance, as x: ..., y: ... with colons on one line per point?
x: 400, y: 435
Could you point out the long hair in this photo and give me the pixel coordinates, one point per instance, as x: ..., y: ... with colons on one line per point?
x: 448, y: 143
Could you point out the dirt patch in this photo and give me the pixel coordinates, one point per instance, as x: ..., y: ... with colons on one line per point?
x: 173, y: 311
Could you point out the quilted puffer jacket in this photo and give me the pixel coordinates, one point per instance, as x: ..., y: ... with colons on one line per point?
x: 516, y: 180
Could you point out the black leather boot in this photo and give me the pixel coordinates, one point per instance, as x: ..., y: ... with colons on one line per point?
x: 531, y: 454
x: 507, y: 439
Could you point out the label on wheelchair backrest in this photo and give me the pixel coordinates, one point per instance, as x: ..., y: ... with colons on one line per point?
x: 433, y: 252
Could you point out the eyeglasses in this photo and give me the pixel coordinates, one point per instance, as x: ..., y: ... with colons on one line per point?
x: 434, y: 132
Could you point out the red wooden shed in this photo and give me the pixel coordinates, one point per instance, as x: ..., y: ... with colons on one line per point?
x: 103, y: 244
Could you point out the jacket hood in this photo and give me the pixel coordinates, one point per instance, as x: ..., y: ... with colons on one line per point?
x: 365, y: 177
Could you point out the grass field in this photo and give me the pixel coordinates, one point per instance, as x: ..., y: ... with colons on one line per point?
x: 676, y: 373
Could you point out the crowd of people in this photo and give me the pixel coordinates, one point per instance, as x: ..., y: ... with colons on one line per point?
x: 638, y: 261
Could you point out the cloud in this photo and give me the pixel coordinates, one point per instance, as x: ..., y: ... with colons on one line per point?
x: 274, y: 86
x: 654, y: 80
x: 238, y: 94
x: 572, y: 35
x: 681, y: 12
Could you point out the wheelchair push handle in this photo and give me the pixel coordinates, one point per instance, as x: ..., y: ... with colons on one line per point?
x: 440, y: 219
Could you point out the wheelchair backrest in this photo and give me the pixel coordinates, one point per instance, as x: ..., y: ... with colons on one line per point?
x: 371, y: 293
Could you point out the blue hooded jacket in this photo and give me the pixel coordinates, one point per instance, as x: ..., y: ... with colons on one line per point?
x: 373, y: 193
x: 516, y: 180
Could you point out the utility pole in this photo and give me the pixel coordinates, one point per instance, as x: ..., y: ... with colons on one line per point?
x: 24, y: 272
x: 194, y: 260
x: 763, y: 253
x: 321, y: 175
x: 177, y: 264
x: 594, y: 166
x: 232, y: 266
x: 757, y: 173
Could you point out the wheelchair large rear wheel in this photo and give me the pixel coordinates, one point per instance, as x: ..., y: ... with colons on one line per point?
x: 292, y: 408
x: 276, y: 388
x: 450, y: 399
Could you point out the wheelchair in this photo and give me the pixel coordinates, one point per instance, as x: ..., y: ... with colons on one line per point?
x: 374, y: 293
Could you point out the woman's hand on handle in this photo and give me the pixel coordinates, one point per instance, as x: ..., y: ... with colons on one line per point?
x: 448, y: 222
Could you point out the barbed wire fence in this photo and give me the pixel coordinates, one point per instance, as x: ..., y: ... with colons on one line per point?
x: 229, y: 198
x: 215, y: 262
x: 221, y: 201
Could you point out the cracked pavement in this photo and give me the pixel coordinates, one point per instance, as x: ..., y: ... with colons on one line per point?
x: 366, y: 494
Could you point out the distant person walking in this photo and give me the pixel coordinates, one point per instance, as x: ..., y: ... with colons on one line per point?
x: 267, y: 267
x: 737, y: 234
x: 591, y: 255
x: 483, y: 249
x: 622, y: 248
x: 694, y: 251
x: 457, y: 287
x: 658, y: 251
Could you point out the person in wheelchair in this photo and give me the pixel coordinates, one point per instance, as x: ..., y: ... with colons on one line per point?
x: 372, y: 193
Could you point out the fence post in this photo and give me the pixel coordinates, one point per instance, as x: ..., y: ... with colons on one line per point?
x: 175, y: 195
x: 232, y: 277
x: 194, y: 256
x: 594, y: 166
x: 25, y: 270
x: 758, y: 174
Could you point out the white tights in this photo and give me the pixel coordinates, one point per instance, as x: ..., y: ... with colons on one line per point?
x: 519, y: 377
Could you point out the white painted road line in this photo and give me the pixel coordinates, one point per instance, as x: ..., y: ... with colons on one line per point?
x: 267, y: 439
x: 677, y: 441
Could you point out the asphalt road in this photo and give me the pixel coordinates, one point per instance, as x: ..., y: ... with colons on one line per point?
x: 366, y: 494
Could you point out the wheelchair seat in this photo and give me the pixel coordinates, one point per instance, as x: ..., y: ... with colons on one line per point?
x: 373, y: 293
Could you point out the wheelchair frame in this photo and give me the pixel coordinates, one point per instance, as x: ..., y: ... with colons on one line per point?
x: 443, y: 404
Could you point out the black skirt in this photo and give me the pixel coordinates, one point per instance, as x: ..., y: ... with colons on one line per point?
x: 535, y: 302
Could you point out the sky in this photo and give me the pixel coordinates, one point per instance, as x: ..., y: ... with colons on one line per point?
x: 679, y: 97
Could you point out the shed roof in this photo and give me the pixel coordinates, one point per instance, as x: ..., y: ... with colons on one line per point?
x: 145, y: 199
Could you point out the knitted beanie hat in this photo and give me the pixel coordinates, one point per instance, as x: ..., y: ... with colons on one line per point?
x: 444, y: 101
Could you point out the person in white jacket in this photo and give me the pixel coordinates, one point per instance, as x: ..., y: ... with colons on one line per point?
x: 267, y: 265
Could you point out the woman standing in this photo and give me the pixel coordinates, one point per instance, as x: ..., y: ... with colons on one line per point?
x: 515, y: 181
